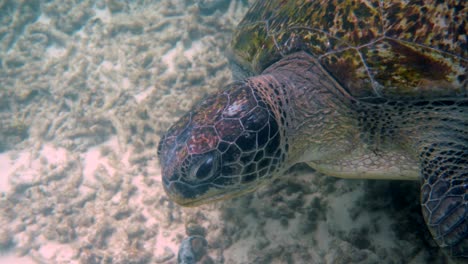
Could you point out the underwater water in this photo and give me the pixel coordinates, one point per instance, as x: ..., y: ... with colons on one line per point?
x: 87, y: 88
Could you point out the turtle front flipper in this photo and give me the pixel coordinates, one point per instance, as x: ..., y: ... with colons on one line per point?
x: 444, y: 191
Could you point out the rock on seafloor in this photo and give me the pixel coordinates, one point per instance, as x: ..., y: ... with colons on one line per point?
x: 86, y: 90
x: 192, y: 250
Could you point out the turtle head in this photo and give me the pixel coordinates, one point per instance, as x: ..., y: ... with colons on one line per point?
x: 224, y: 147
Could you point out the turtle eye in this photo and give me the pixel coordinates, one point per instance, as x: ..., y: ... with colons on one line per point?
x: 204, y: 169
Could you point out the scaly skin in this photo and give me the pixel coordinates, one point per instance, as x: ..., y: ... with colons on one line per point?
x: 240, y: 138
x: 356, y: 89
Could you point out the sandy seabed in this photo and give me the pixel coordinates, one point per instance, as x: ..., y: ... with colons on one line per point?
x: 86, y: 90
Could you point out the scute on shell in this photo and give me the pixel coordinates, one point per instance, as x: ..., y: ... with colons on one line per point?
x: 390, y: 49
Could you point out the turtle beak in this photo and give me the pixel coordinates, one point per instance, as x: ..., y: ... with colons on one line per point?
x: 170, y: 154
x: 190, y: 196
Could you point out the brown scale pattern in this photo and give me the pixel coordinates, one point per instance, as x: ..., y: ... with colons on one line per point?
x: 391, y: 49
x: 230, y: 138
x: 404, y: 61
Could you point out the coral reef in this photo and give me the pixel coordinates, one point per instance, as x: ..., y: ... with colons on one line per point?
x: 87, y: 89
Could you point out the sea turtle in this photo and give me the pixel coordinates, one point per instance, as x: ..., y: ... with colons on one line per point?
x: 356, y: 89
